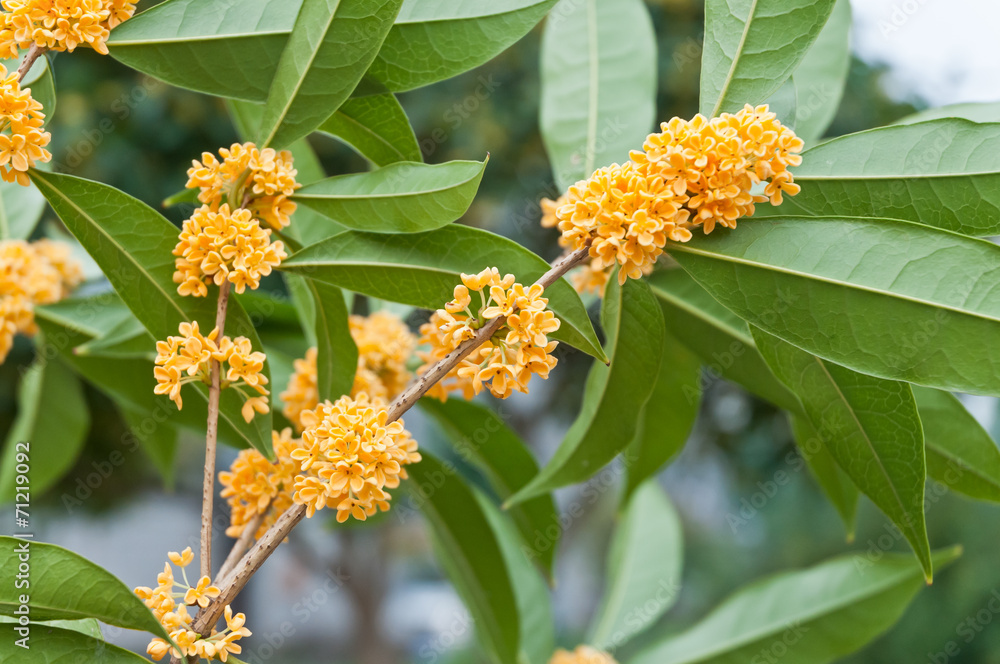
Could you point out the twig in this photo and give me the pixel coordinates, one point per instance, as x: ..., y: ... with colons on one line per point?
x: 242, y: 543
x: 233, y: 583
x: 211, y: 438
x: 33, y: 54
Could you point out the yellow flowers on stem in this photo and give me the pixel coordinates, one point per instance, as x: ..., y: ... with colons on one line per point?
x: 60, y: 25
x: 582, y: 655
x: 254, y: 486
x: 22, y: 140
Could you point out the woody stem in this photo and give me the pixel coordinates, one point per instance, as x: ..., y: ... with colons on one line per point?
x: 211, y: 438
x: 33, y: 54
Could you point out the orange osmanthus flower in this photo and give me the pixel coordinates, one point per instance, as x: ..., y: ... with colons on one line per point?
x: 60, y: 25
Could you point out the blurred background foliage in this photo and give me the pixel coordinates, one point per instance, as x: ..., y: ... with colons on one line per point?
x: 747, y: 506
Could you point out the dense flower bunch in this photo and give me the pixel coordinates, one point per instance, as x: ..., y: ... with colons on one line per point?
x: 693, y: 173
x: 175, y: 618
x: 187, y: 358
x: 350, y: 454
x: 22, y: 141
x: 385, y: 345
x: 224, y: 245
x: 259, y: 180
x: 31, y: 273
x: 253, y: 485
x: 582, y: 655
x: 507, y: 361
x: 60, y: 25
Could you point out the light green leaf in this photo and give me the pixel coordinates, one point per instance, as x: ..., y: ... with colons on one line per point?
x: 481, y: 438
x: 943, y: 173
x: 783, y: 103
x: 976, y: 112
x: 65, y: 586
x: 21, y: 209
x: 960, y: 454
x: 615, y: 395
x: 668, y: 417
x: 752, y: 46
x: 820, y: 78
x: 129, y: 338
x: 132, y: 244
x: 720, y: 337
x: 52, y: 422
x: 54, y: 645
x: 85, y: 626
x: 377, y: 128
x: 894, y: 288
x: 819, y: 614
x: 330, y: 48
x: 422, y: 269
x: 836, y: 485
x: 598, y: 84
x: 871, y: 428
x: 405, y: 197
x: 337, y: 354
x: 643, y: 571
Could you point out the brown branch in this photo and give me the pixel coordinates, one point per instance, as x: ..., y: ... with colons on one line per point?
x: 242, y: 544
x: 33, y: 54
x: 233, y: 583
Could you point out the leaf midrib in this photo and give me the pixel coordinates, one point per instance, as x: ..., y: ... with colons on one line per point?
x: 736, y: 59
x: 369, y: 132
x: 304, y: 192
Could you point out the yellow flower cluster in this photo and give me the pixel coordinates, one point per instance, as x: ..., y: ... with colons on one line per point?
x: 385, y: 345
x: 60, y: 25
x: 22, y: 141
x: 222, y: 246
x: 176, y: 619
x: 253, y: 485
x: 259, y: 180
x: 41, y: 272
x: 507, y: 361
x: 187, y: 358
x: 350, y: 455
x: 582, y: 655
x: 693, y: 173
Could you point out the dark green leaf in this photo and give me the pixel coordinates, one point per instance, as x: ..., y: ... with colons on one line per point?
x: 337, y: 354
x: 834, y: 482
x: 54, y: 645
x: 157, y: 438
x: 377, y: 128
x: 820, y: 78
x: 129, y: 338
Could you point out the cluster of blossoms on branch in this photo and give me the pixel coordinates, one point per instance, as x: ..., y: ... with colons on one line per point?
x: 22, y: 139
x: 506, y: 362
x: 33, y: 273
x: 694, y: 173
x: 175, y: 618
x: 582, y: 655
x: 60, y: 25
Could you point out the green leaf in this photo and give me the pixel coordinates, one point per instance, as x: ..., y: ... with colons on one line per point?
x: 821, y: 76
x: 377, y: 128
x: 752, y: 46
x: 598, y: 84
x: 943, y: 173
x: 615, y: 395
x: 337, y: 354
x: 86, y: 626
x: 784, y: 102
x: 65, y: 586
x: 39, y: 80
x: 184, y: 196
x: 423, y: 269
x: 960, y: 454
x: 481, y: 438
x: 129, y: 338
x: 157, y: 438
x: 132, y: 244
x: 871, y: 428
x: 52, y: 421
x: 836, y: 485
x: 720, y: 337
x: 21, y: 209
x: 976, y: 112
x: 54, y: 645
x: 643, y: 569
x: 331, y: 46
x: 669, y: 416
x: 405, y: 197
x: 818, y: 615
x: 894, y: 288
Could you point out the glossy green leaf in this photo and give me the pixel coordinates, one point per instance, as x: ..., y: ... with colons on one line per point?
x: 615, y: 394
x: 129, y: 338
x: 960, y: 454
x: 784, y: 102
x: 377, y: 128
x: 871, y: 428
x: 817, y: 615
x: 85, y: 626
x: 943, y: 173
x: 598, y: 84
x: 821, y: 76
x: 481, y: 438
x: 331, y: 46
x: 752, y: 46
x: 423, y: 269
x: 976, y: 112
x: 53, y: 420
x: 65, y: 586
x: 874, y: 295
x: 337, y: 354
x: 720, y: 337
x: 21, y: 209
x: 157, y: 438
x: 132, y: 244
x: 405, y: 197
x: 668, y: 417
x: 836, y: 485
x: 54, y: 645
x: 643, y: 569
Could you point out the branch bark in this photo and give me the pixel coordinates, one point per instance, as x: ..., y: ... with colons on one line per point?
x: 33, y: 54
